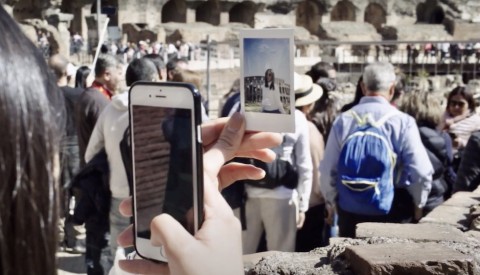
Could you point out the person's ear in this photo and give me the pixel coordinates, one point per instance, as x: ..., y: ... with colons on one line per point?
x: 391, y: 91
x: 364, y: 89
x: 107, y: 75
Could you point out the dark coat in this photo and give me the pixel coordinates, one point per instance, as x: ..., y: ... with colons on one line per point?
x: 468, y: 178
x: 439, y: 150
x: 92, y: 193
x: 72, y: 96
x: 87, y: 110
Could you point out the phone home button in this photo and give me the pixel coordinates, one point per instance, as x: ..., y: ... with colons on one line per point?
x: 162, y: 252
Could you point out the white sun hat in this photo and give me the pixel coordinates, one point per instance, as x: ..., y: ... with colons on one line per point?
x: 306, y: 92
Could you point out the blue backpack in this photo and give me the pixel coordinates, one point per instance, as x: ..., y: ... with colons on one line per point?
x: 365, y: 168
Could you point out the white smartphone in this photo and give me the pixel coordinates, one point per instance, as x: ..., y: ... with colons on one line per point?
x: 167, y: 167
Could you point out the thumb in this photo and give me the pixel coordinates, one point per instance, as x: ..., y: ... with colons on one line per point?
x: 169, y: 232
x: 226, y: 145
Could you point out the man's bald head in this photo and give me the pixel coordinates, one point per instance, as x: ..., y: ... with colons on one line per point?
x: 58, y: 64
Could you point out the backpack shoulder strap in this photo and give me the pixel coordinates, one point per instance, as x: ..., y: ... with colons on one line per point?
x: 367, y: 118
x: 360, y: 121
x: 384, y: 118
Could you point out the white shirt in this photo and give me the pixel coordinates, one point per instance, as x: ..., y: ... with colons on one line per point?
x: 271, y: 99
x: 296, y: 150
x: 108, y: 133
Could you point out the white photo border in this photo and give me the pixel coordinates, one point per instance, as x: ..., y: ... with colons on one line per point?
x: 257, y: 121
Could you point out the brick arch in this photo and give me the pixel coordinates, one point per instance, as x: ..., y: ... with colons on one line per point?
x: 309, y: 15
x: 437, y: 15
x: 208, y: 12
x: 243, y: 12
x: 174, y: 11
x: 376, y: 15
x: 430, y: 12
x: 343, y: 11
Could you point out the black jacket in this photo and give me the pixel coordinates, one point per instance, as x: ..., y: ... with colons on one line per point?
x: 468, y: 178
x: 88, y: 107
x: 72, y: 95
x: 439, y: 150
x: 92, y: 193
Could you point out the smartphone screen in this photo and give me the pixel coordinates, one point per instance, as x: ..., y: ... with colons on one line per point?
x: 163, y: 165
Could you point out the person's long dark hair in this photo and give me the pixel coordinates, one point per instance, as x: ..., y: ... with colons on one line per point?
x: 325, y: 110
x: 272, y: 85
x: 356, y: 99
x: 466, y: 94
x: 31, y: 115
x: 81, y: 77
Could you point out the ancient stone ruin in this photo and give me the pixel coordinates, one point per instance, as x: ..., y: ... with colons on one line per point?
x: 447, y: 19
x: 446, y: 241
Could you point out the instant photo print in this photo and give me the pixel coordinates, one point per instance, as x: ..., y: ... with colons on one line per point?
x: 266, y: 81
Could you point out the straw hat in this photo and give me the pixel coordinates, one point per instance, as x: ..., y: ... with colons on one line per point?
x: 306, y: 92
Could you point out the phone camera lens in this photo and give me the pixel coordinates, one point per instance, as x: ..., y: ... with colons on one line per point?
x: 149, y: 95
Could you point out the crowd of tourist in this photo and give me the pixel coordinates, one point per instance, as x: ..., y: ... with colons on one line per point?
x: 64, y: 162
x: 455, y: 52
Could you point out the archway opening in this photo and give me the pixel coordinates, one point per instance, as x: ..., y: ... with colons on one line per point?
x: 174, y: 11
x: 343, y: 11
x: 309, y: 16
x: 208, y: 12
x: 243, y: 12
x: 375, y: 15
x: 430, y: 12
x: 437, y: 16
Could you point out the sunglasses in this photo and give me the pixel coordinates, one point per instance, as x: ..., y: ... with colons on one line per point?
x: 457, y: 103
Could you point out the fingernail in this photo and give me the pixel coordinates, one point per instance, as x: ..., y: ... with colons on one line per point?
x: 235, y: 122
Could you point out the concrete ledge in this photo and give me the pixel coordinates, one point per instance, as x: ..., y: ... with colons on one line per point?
x: 426, y: 232
x: 463, y: 199
x: 450, y: 215
x: 408, y: 258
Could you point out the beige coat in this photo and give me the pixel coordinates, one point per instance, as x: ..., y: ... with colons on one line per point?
x: 317, y: 148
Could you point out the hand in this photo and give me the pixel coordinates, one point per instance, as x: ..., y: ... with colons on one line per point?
x: 448, y: 123
x: 216, y: 248
x: 218, y: 149
x: 300, y: 219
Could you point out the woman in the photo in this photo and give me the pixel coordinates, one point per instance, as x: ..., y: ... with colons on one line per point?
x: 271, y: 102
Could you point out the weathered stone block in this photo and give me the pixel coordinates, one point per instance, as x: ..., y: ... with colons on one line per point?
x: 349, y: 31
x: 408, y: 258
x: 250, y: 260
x: 422, y: 32
x: 463, y: 199
x: 451, y: 215
x: 291, y: 263
x: 417, y: 232
x: 474, y: 234
x: 465, y: 30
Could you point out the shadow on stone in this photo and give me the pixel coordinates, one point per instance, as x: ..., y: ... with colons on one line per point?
x: 323, y: 261
x: 72, y: 263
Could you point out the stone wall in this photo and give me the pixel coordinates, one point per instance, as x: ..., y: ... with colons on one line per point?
x: 140, y: 11
x: 462, y: 30
x: 459, y: 18
x: 446, y: 241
